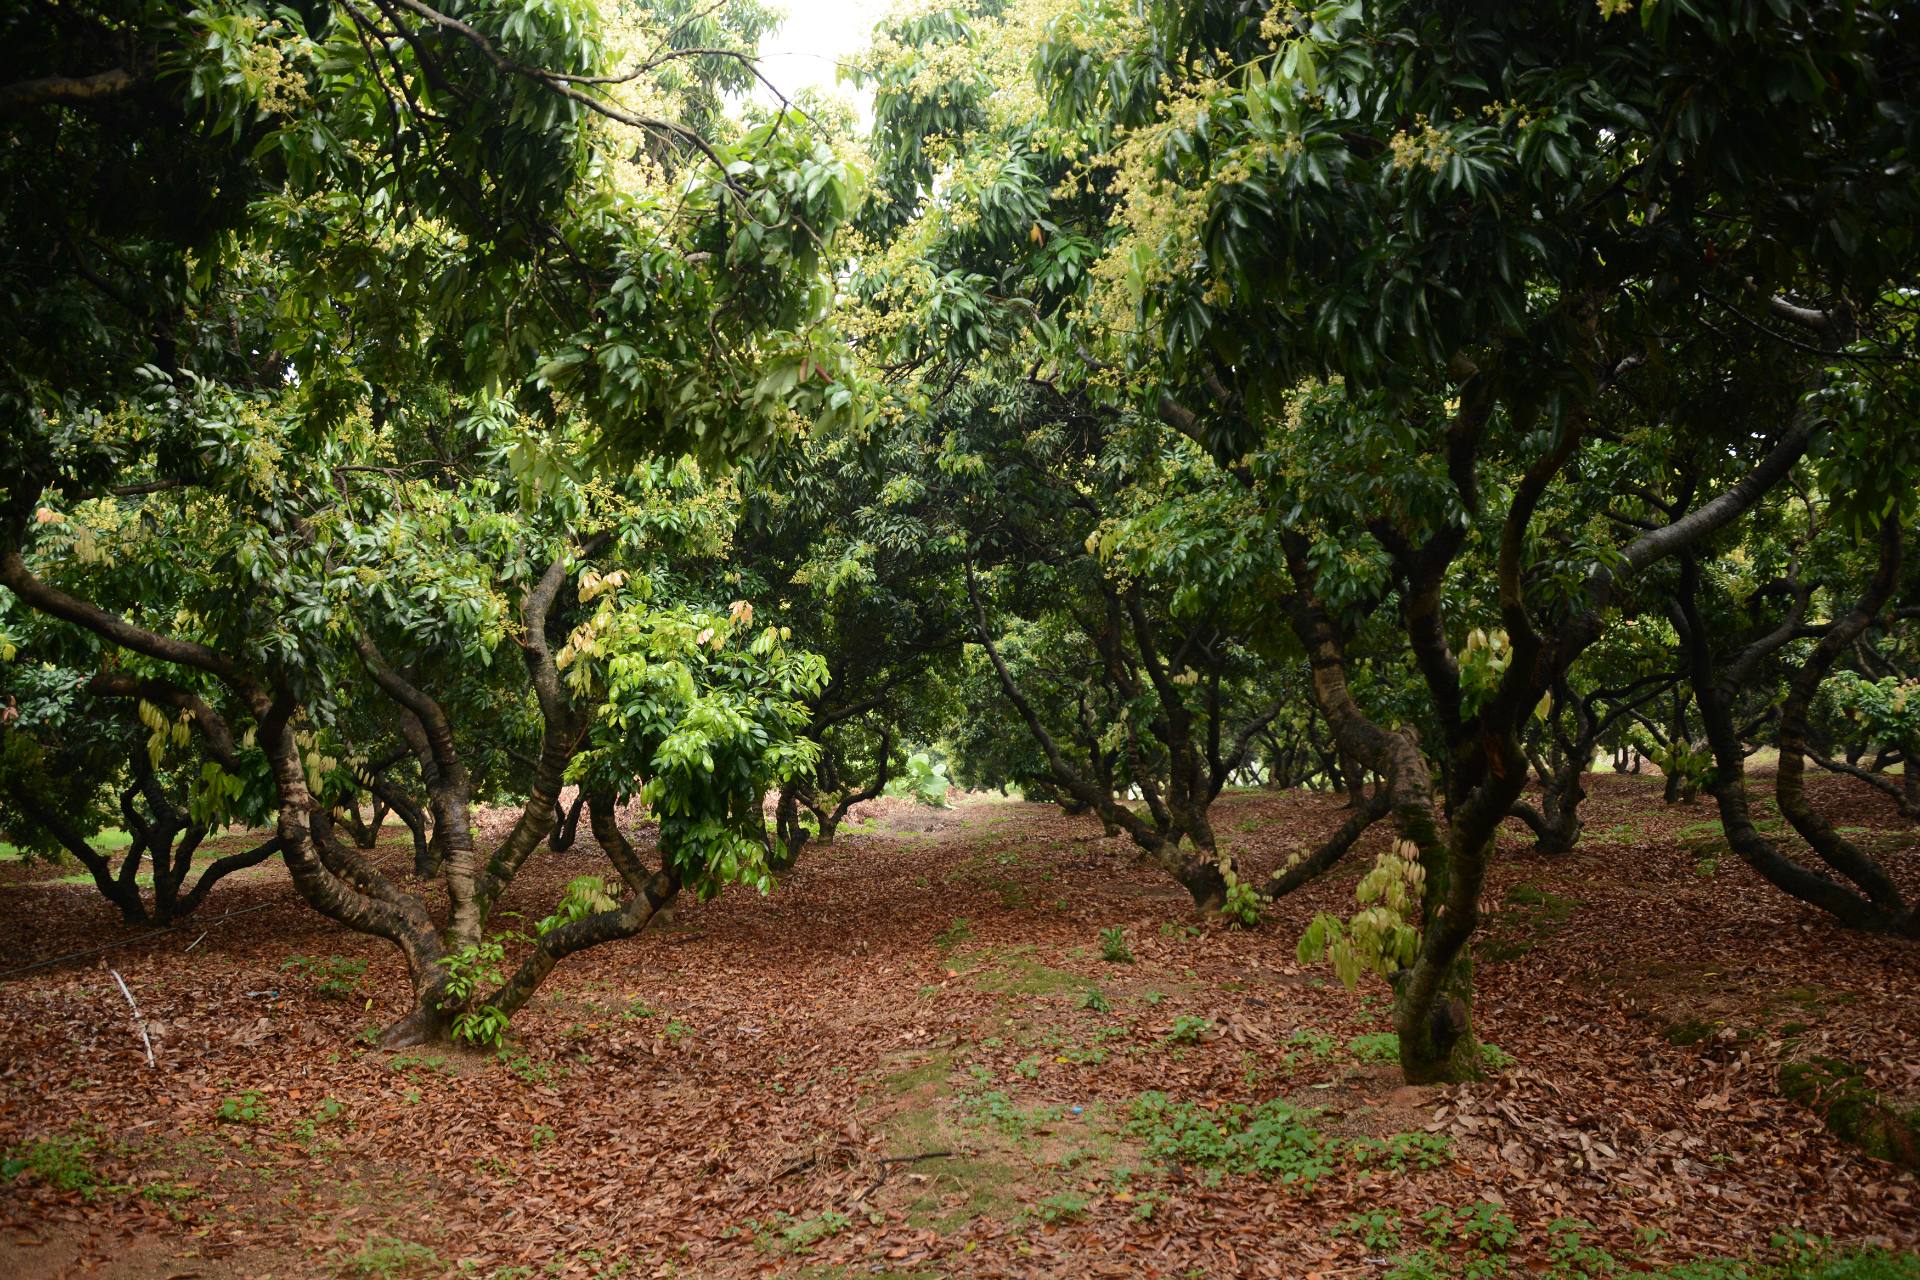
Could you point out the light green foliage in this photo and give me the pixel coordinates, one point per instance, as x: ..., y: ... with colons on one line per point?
x: 1094, y: 999
x: 468, y: 969
x: 925, y: 780
x: 1317, y: 1044
x: 584, y: 896
x: 1686, y: 761
x: 1494, y: 1058
x: 1113, y: 946
x: 1887, y: 709
x: 1380, y: 937
x: 704, y: 708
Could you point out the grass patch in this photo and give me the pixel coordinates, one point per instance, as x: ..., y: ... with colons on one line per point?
x: 1016, y: 972
x: 787, y: 1234
x: 1838, y: 1092
x: 385, y: 1256
x: 333, y: 977
x: 63, y: 1163
x: 1472, y: 1242
x: 1530, y: 914
x: 931, y: 1073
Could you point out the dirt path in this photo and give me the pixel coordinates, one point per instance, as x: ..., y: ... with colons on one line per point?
x: 914, y: 1059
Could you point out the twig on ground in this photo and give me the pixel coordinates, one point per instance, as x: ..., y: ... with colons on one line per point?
x: 138, y: 1021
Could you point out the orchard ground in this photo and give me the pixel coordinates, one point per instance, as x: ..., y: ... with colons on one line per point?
x: 979, y: 1041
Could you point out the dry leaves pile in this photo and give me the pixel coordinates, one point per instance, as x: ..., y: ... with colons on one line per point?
x: 893, y: 1066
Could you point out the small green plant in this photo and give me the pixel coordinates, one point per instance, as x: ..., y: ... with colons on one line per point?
x: 333, y: 977
x: 425, y: 1064
x: 1376, y: 1229
x: 386, y: 1257
x: 996, y: 1109
x: 245, y: 1107
x: 954, y: 934
x: 676, y: 1030
x: 329, y: 1110
x: 484, y: 1028
x: 1243, y: 904
x: 1027, y: 1068
x: 1706, y: 867
x: 63, y: 1163
x: 1482, y: 1226
x: 1570, y: 1257
x: 169, y: 1192
x: 1085, y: 1056
x: 1494, y: 1059
x: 1317, y: 1044
x: 1062, y: 1206
x: 540, y: 1136
x: 1273, y: 1139
x: 469, y: 969
x: 472, y: 967
x: 1093, y: 998
x: 801, y: 1234
x: 1375, y: 1046
x: 1403, y: 1150
x: 527, y: 1068
x: 1187, y: 1029
x: 1113, y: 946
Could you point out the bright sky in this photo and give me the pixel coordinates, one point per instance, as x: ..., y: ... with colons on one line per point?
x: 817, y: 37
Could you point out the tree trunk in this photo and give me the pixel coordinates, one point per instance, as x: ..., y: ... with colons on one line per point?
x: 566, y: 823
x: 1353, y: 780
x: 1876, y: 905
x: 1557, y: 824
x: 790, y: 833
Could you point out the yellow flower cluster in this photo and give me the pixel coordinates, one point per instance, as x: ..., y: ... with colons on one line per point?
x: 1424, y: 146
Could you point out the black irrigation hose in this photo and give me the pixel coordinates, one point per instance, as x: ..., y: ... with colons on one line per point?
x: 138, y: 937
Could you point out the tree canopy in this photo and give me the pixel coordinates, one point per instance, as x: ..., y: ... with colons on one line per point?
x: 436, y: 408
